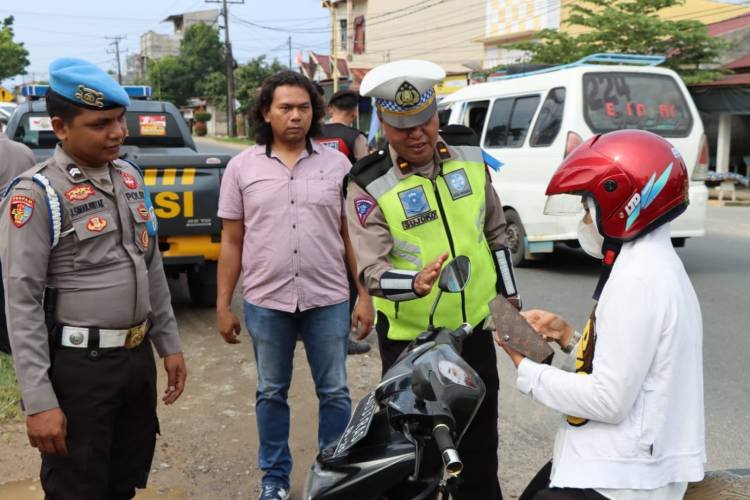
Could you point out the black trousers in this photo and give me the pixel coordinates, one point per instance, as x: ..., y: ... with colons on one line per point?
x: 539, y: 489
x: 109, y: 400
x: 478, y: 449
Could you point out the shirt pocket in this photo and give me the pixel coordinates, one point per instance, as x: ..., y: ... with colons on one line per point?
x: 323, y: 192
x: 140, y: 217
x: 96, y: 240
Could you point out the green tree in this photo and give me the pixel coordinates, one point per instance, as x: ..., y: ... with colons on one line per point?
x: 630, y: 27
x: 249, y: 78
x: 13, y: 55
x: 194, y: 71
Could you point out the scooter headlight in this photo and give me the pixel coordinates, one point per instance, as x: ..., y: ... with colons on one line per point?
x: 320, y: 480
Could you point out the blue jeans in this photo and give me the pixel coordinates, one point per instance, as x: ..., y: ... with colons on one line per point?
x: 324, y: 331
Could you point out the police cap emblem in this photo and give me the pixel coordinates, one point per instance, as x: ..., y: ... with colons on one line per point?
x: 407, y: 95
x: 90, y: 97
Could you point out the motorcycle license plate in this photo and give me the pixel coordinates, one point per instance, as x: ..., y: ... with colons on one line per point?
x: 359, y: 424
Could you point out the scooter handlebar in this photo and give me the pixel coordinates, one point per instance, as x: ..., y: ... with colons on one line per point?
x: 444, y: 440
x: 463, y: 331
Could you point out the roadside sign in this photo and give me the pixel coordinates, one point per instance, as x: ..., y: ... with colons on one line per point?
x: 5, y: 95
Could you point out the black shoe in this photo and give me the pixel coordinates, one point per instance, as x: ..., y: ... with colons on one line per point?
x: 356, y: 347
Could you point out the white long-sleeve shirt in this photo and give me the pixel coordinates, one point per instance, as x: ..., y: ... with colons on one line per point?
x: 644, y: 396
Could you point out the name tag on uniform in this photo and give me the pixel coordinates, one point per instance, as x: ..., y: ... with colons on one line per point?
x: 416, y: 207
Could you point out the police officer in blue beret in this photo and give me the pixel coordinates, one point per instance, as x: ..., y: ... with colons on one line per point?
x: 78, y: 245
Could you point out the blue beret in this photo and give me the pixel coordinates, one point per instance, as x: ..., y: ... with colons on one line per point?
x: 85, y: 84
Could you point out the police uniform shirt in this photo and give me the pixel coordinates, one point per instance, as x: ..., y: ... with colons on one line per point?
x: 14, y: 159
x: 100, y: 267
x: 372, y: 240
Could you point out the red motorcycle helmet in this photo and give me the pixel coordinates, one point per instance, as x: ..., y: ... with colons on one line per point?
x: 637, y: 179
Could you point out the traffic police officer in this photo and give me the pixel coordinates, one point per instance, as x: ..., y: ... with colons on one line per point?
x: 425, y: 197
x: 78, y: 244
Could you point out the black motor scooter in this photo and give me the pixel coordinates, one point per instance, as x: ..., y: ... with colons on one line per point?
x: 401, y: 440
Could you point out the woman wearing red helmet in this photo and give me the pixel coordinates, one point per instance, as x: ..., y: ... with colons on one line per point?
x: 634, y: 424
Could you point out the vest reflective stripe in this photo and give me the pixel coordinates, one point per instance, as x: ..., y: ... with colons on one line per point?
x: 407, y: 251
x: 383, y: 184
x: 480, y: 223
x: 464, y: 206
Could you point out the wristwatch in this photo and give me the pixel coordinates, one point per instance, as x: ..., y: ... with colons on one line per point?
x: 572, y: 342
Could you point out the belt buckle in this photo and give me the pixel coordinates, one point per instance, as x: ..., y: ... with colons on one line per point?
x: 135, y: 336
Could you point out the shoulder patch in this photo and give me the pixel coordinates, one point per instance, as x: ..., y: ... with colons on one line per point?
x: 364, y: 206
x: 21, y: 209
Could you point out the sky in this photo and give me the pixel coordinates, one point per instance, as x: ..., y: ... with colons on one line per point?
x: 78, y: 28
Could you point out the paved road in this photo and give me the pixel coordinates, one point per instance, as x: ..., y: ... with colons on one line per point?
x: 719, y: 266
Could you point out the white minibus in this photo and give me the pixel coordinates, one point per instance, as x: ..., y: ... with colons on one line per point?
x: 531, y: 121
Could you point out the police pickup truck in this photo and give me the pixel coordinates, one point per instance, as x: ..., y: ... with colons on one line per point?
x: 184, y: 184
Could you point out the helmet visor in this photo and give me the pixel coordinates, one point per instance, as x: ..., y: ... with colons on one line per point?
x: 564, y: 204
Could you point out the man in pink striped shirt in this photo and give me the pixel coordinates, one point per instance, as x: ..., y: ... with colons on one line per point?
x: 284, y: 226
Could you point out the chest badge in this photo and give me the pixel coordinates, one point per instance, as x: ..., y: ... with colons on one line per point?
x: 96, y: 224
x: 144, y: 239
x: 129, y: 180
x: 458, y: 184
x: 80, y: 193
x: 416, y: 207
x: 143, y: 212
x: 21, y: 209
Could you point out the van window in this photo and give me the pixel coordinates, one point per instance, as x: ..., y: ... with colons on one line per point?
x: 35, y: 131
x: 509, y: 121
x: 474, y: 114
x: 550, y: 119
x: 443, y: 116
x: 613, y: 101
x: 144, y: 129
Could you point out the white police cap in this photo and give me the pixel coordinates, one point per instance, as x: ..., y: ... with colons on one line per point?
x: 404, y: 91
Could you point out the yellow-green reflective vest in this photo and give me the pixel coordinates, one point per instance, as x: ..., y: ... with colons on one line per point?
x: 427, y: 218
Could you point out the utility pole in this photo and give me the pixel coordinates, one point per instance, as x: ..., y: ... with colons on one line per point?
x: 231, y: 118
x: 116, y: 42
x: 289, y: 42
x: 334, y: 52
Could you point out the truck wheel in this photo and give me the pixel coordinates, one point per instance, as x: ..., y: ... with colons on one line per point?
x: 515, y: 237
x: 202, y: 284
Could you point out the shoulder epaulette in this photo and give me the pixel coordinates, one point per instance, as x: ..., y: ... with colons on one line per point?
x: 371, y: 167
x: 459, y: 135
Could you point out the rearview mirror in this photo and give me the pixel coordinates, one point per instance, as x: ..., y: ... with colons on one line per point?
x: 455, y: 275
x: 453, y: 279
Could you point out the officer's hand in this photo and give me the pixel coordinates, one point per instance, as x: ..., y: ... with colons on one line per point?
x: 47, y: 431
x: 549, y: 325
x: 363, y: 317
x: 429, y: 275
x: 174, y: 364
x: 229, y: 325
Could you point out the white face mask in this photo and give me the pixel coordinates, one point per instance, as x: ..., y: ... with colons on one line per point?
x: 588, y: 235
